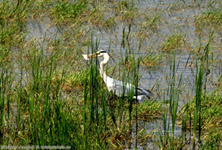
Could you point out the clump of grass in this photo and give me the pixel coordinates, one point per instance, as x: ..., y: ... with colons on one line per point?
x: 13, y: 19
x: 63, y: 11
x: 153, y: 60
x: 74, y: 81
x: 212, y: 18
x: 211, y: 118
x: 173, y: 42
x: 77, y: 79
x: 110, y: 23
x: 150, y: 109
x: 148, y: 26
x: 116, y: 137
x: 100, y: 17
x: 128, y: 15
x: 127, y: 11
x: 177, y: 5
x: 151, y: 22
x: 168, y: 142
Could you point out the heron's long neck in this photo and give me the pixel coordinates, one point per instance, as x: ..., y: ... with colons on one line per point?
x: 102, y: 72
x: 102, y: 67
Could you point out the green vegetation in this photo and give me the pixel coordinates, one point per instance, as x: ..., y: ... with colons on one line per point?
x: 50, y: 96
x: 150, y: 109
x: 173, y: 42
x: 148, y: 26
x: 211, y: 18
x: 64, y: 10
x: 211, y: 113
x: 153, y: 60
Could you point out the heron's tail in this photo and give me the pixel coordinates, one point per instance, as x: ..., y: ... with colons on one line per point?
x: 145, y: 92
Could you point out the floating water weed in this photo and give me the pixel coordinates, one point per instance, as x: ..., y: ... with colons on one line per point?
x: 173, y: 42
x: 211, y: 19
x: 64, y: 10
x: 153, y: 60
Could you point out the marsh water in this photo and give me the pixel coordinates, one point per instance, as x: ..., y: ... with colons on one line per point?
x: 176, y: 17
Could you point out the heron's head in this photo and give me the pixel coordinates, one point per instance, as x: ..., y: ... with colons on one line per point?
x: 99, y: 53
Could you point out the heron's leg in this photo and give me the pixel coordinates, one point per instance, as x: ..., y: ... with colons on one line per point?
x: 112, y: 114
x: 112, y: 108
x: 112, y: 98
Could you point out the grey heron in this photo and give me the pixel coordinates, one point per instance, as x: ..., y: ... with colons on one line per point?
x: 119, y: 88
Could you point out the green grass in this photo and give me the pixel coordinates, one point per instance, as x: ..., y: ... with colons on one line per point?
x: 210, y: 19
x: 150, y: 109
x: 73, y: 81
x: 210, y: 116
x: 173, y: 42
x: 63, y: 11
x: 150, y: 23
x: 153, y: 60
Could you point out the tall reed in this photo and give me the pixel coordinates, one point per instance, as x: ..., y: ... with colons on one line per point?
x: 200, y: 71
x: 171, y: 114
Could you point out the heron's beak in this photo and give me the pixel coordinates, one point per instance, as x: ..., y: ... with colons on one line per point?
x: 87, y: 57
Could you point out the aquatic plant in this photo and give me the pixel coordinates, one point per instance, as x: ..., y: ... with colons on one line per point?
x: 153, y: 60
x: 173, y: 42
x: 210, y: 19
x: 65, y: 10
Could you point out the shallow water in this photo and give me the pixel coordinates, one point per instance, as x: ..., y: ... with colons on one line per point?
x: 154, y: 129
x: 41, y: 28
